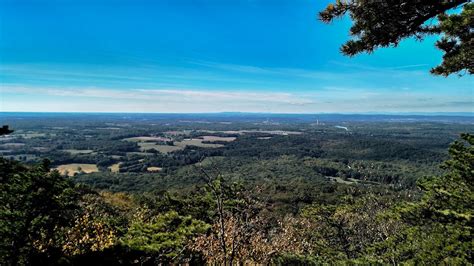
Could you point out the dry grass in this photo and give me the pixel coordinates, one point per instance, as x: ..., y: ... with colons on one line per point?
x: 154, y: 169
x: 114, y: 168
x: 73, y: 168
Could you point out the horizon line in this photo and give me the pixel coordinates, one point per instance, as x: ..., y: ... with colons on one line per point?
x: 467, y: 114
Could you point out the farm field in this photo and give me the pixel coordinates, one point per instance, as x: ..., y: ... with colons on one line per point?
x: 114, y: 168
x: 154, y: 169
x: 241, y: 132
x: 147, y: 143
x: 72, y: 151
x: 197, y: 142
x: 147, y: 139
x: 74, y: 168
x: 217, y: 138
x: 144, y: 146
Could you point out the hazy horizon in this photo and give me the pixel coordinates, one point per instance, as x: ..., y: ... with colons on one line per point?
x: 467, y: 114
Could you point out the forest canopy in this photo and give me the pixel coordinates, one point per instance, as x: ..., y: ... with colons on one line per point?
x: 46, y: 218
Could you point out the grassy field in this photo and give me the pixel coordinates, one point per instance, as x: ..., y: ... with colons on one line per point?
x: 342, y: 181
x: 144, y: 146
x: 217, y: 138
x: 73, y: 168
x: 114, y: 168
x: 241, y: 132
x: 196, y: 142
x: 147, y: 139
x: 140, y: 153
x: 73, y: 151
x: 146, y: 143
x: 12, y: 145
x: 153, y: 169
x: 31, y: 135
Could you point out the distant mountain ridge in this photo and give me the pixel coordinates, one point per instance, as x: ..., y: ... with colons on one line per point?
x: 256, y: 117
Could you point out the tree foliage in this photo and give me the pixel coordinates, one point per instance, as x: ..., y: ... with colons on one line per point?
x: 282, y: 210
x: 164, y: 237
x: 439, y: 226
x: 34, y: 204
x: 387, y: 23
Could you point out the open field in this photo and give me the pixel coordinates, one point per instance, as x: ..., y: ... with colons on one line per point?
x: 147, y: 143
x: 177, y: 132
x: 12, y: 145
x: 198, y: 143
x: 73, y: 151
x: 30, y: 135
x: 74, y: 168
x: 114, y: 168
x: 217, y: 138
x: 140, y: 153
x: 144, y: 146
x: 241, y: 132
x: 153, y: 169
x: 147, y: 139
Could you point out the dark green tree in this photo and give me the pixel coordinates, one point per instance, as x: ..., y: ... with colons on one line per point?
x: 164, y: 238
x: 34, y: 203
x: 386, y: 23
x: 439, y: 226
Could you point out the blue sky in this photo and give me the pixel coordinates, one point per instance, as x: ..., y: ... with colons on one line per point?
x: 207, y: 56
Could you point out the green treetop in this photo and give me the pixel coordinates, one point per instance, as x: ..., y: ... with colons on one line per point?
x: 387, y: 23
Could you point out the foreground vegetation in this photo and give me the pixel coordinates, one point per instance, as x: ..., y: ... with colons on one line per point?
x: 283, y: 193
x: 48, y: 219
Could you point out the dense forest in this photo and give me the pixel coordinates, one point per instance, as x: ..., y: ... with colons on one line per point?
x: 236, y: 191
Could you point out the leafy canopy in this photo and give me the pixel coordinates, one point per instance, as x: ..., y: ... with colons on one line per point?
x: 440, y: 224
x: 387, y: 23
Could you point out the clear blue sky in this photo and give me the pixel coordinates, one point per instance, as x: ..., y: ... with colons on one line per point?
x: 207, y: 56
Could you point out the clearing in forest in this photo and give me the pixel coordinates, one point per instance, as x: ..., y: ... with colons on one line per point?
x: 115, y: 168
x: 73, y: 168
x: 74, y: 151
